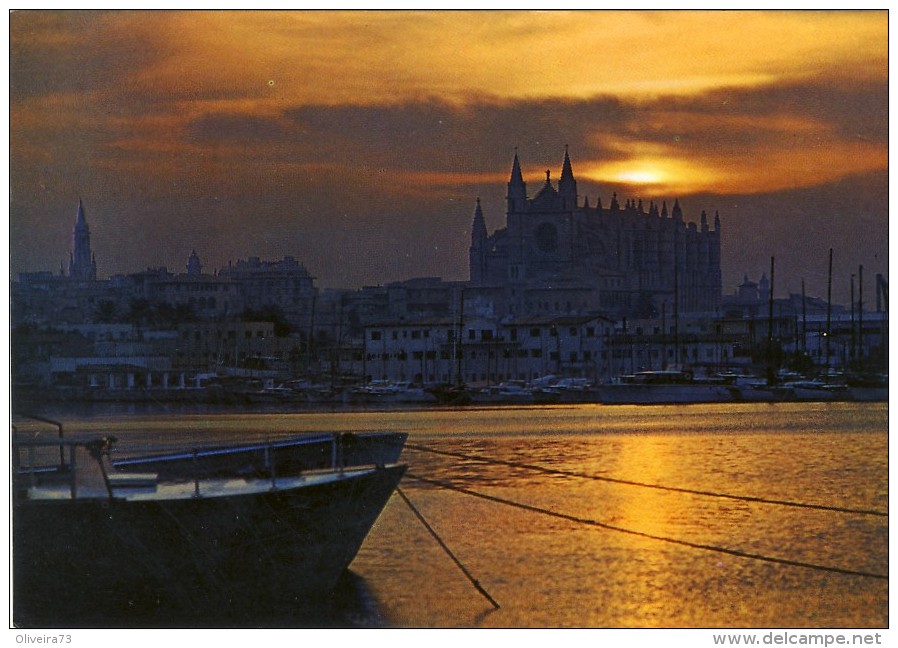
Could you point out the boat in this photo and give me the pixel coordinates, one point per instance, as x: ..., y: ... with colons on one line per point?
x: 816, y: 390
x: 664, y: 387
x: 387, y: 392
x: 506, y: 393
x: 752, y: 389
x: 280, y: 457
x: 98, y: 549
x: 868, y: 387
x: 450, y: 395
x: 575, y: 390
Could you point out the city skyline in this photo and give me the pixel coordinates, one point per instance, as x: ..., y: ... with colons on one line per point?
x: 358, y: 142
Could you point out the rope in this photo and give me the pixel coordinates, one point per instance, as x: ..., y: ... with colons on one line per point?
x: 427, y: 526
x: 611, y: 527
x: 627, y: 482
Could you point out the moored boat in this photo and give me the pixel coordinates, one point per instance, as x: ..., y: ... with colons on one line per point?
x: 91, y: 550
x: 664, y: 387
x: 507, y: 393
x: 386, y: 392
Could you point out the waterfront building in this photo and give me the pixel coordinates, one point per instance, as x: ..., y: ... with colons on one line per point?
x: 484, y: 351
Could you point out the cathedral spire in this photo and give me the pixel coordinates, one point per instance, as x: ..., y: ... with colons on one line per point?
x: 704, y: 221
x: 614, y: 204
x: 567, y: 186
x: 79, y: 219
x: 677, y: 213
x: 478, y: 229
x: 478, y: 250
x: 517, y: 189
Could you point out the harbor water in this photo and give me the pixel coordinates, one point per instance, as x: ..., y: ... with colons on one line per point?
x: 596, y: 516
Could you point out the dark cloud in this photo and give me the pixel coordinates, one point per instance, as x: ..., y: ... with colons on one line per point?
x: 222, y: 128
x: 61, y: 52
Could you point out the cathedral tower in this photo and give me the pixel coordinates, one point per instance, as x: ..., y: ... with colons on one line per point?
x: 478, y: 246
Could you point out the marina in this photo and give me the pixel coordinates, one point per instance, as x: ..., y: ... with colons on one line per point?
x: 716, y: 515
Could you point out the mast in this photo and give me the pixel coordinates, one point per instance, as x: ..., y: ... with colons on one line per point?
x: 770, y: 372
x: 860, y: 310
x: 853, y: 338
x: 829, y: 305
x: 804, y: 319
x: 459, y: 376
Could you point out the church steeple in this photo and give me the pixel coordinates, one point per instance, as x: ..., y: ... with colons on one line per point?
x: 567, y: 186
x: 517, y: 189
x: 82, y: 264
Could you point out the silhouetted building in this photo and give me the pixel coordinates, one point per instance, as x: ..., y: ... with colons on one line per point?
x: 558, y: 255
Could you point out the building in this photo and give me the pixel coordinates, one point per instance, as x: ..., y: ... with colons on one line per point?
x: 485, y: 351
x: 557, y: 254
x: 285, y: 286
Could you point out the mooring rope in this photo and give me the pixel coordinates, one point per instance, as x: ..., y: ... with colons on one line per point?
x: 448, y: 551
x: 627, y: 482
x: 610, y: 527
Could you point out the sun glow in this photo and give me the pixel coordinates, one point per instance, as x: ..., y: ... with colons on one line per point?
x: 641, y: 176
x: 654, y: 177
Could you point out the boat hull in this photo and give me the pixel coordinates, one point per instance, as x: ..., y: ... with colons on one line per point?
x: 649, y: 394
x: 192, y: 561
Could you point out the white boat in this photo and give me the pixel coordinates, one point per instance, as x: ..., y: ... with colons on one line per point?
x: 816, y: 390
x: 96, y: 549
x: 506, y: 393
x: 664, y: 387
x: 575, y: 390
x: 385, y: 392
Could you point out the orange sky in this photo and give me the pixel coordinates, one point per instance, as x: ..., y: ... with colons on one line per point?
x: 656, y: 104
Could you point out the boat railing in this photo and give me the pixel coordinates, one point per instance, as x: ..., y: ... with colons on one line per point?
x: 41, y: 419
x: 84, y: 470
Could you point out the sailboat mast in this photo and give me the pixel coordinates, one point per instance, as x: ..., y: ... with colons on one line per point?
x: 829, y: 305
x: 770, y: 372
x: 804, y: 319
x: 860, y: 311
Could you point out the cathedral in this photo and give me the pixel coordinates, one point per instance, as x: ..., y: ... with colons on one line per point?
x: 560, y: 255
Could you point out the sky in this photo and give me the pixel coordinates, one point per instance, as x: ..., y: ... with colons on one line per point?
x: 358, y: 141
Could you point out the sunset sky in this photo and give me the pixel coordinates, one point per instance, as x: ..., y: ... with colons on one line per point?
x: 358, y: 142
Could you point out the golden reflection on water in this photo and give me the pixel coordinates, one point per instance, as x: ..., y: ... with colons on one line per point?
x: 551, y: 572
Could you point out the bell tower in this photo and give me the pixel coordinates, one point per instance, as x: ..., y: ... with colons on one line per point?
x: 82, y: 264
